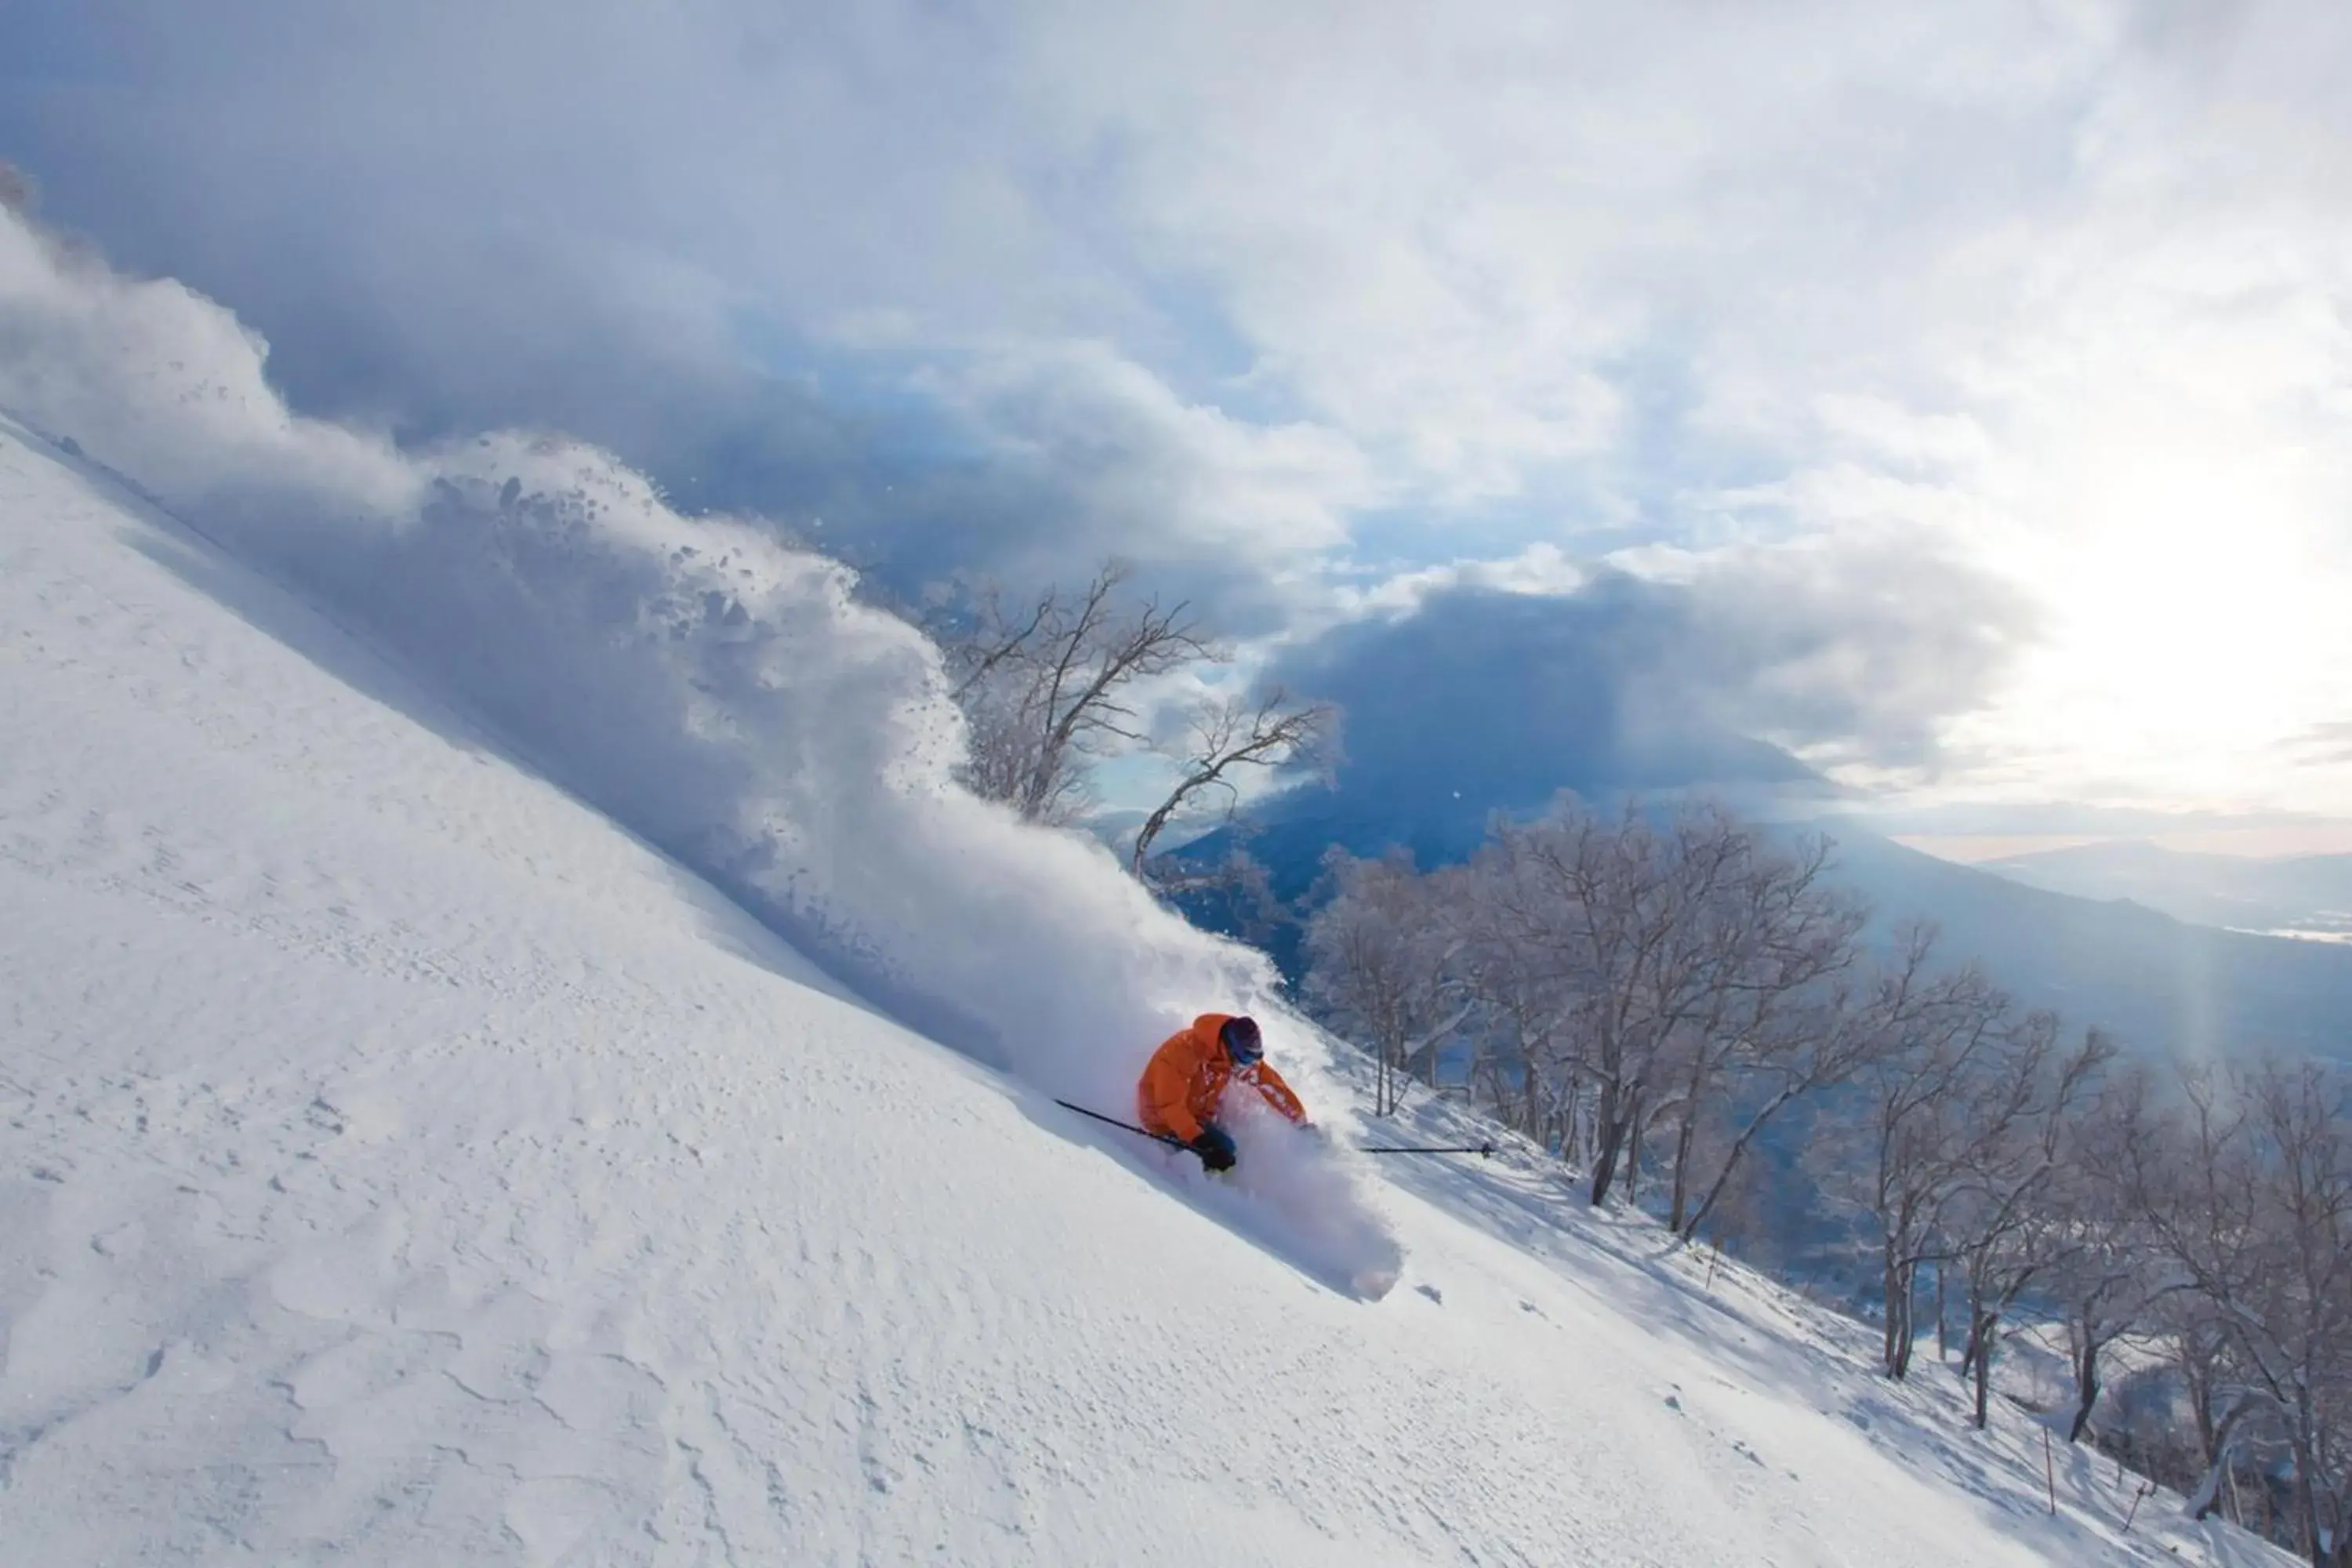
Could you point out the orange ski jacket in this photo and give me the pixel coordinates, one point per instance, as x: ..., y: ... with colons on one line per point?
x: 1186, y: 1078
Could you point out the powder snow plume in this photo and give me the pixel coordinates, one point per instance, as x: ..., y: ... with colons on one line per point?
x: 715, y: 690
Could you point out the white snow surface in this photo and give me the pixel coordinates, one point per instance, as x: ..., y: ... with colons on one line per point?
x: 408, y: 1153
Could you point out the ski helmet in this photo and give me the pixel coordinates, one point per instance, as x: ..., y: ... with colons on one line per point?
x: 1241, y: 1041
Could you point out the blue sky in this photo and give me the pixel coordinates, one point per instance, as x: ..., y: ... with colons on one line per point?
x: 1983, y: 371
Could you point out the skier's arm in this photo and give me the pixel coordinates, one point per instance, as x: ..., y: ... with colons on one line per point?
x: 1165, y: 1083
x: 1278, y: 1094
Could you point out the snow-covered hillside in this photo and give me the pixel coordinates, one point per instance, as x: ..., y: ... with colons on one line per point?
x: 408, y: 1156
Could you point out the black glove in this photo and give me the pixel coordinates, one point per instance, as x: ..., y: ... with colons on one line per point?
x: 1215, y: 1147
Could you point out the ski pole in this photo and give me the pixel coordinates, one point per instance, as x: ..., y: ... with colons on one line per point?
x: 1484, y: 1150
x: 1171, y: 1141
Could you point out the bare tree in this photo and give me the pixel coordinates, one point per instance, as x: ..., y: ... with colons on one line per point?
x: 1621, y: 982
x: 1620, y: 905
x: 1815, y: 1044
x: 1270, y: 731
x: 1523, y: 1009
x: 2182, y: 1184
x: 2005, y: 1218
x: 1045, y: 685
x: 2254, y: 1206
x: 1380, y: 967
x: 2111, y: 1281
x: 2294, y: 1321
x: 2221, y: 1407
x: 1778, y: 937
x: 1900, y: 1158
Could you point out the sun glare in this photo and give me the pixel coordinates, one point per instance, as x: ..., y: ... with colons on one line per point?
x: 2187, y: 632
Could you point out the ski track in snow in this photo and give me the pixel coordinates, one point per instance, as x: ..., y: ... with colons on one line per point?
x: 399, y: 1163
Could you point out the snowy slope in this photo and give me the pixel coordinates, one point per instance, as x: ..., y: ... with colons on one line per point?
x: 402, y: 1162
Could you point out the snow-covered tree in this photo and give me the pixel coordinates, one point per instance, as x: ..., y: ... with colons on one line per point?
x: 1380, y: 960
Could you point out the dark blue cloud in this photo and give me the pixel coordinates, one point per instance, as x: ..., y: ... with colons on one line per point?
x: 1502, y: 698
x: 1483, y: 701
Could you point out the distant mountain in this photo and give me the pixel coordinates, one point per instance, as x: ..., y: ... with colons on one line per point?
x: 1436, y: 794
x: 1435, y: 797
x: 2076, y: 820
x: 2309, y: 893
x: 2164, y: 984
x: 1485, y: 701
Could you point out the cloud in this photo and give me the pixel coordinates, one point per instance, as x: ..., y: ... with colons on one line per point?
x: 1288, y: 300
x: 1837, y: 655
x: 1104, y: 459
x: 1541, y: 568
x: 796, y: 261
x: 1470, y: 243
x: 1848, y: 650
x: 2323, y: 745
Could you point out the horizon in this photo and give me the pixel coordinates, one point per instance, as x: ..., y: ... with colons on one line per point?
x: 2244, y: 844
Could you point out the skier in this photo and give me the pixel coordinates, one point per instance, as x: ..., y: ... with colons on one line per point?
x: 1182, y: 1084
